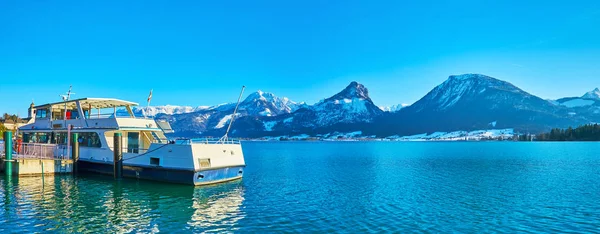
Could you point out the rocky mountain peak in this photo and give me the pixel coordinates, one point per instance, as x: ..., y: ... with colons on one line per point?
x: 469, y: 76
x: 353, y: 90
x: 267, y: 104
x: 260, y: 95
x: 594, y: 94
x: 465, y: 87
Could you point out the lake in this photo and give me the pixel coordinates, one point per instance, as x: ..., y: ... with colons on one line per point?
x: 335, y: 187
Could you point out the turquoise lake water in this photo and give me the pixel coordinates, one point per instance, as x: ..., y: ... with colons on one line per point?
x: 335, y: 187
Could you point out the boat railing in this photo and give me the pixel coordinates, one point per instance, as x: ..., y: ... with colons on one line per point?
x: 178, y: 141
x: 190, y: 141
x: 126, y: 149
x: 38, y: 151
x: 113, y: 116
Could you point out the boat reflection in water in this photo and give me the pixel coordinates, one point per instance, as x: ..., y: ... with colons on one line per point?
x: 100, y: 204
x: 218, y: 211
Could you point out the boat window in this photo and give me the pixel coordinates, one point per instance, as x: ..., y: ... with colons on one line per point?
x: 204, y: 162
x: 72, y: 114
x: 155, y: 161
x: 38, y: 137
x: 41, y: 113
x: 85, y: 139
x: 57, y: 114
x: 60, y: 138
x: 133, y: 142
x: 89, y: 139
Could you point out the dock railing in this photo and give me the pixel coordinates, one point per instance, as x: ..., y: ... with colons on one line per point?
x: 38, y: 151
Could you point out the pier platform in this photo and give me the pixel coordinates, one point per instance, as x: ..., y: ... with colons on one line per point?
x: 37, y: 159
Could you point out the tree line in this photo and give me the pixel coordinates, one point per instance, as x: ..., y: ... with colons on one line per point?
x: 4, y: 118
x: 588, y: 132
x: 7, y: 116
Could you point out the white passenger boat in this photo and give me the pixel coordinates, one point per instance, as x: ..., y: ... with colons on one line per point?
x: 147, y: 153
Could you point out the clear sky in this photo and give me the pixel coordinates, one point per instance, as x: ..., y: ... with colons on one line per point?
x: 201, y: 52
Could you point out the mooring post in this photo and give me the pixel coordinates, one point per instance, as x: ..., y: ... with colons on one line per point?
x: 118, y: 155
x: 8, y: 153
x: 75, y: 153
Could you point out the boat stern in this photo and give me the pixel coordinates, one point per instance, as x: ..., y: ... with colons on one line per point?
x: 217, y: 162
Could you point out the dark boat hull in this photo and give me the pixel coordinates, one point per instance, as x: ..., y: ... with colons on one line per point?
x: 170, y: 175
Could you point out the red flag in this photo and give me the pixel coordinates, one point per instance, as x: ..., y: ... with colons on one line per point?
x: 150, y: 96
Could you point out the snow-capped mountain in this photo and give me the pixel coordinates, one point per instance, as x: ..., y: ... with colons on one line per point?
x: 216, y: 118
x: 393, y: 108
x: 594, y: 94
x: 474, y: 101
x: 587, y: 106
x: 167, y: 110
x: 346, y: 110
x: 351, y: 105
x: 579, y: 106
x: 459, y: 89
x: 267, y: 104
x: 461, y: 103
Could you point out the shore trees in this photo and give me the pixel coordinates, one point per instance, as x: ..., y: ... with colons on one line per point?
x: 588, y: 132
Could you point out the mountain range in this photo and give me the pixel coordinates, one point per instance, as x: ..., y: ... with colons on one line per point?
x: 461, y: 103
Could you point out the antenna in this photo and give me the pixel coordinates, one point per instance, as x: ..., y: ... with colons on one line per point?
x: 66, y: 98
x: 224, y: 138
x: 68, y: 95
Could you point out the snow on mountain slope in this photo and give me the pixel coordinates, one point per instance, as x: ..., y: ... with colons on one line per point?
x: 553, y: 102
x: 459, y: 135
x: 459, y: 88
x: 346, y: 109
x: 267, y: 104
x: 462, y: 102
x: 269, y: 125
x: 225, y: 120
x: 352, y: 104
x: 393, y: 108
x: 167, y: 109
x: 473, y: 101
x: 578, y: 102
x: 256, y: 105
x: 594, y: 94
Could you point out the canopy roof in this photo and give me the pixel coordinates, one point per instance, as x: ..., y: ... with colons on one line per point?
x: 94, y: 103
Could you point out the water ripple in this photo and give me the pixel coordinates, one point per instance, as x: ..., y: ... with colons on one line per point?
x: 334, y: 187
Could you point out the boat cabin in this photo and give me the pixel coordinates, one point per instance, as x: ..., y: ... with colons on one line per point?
x: 95, y: 120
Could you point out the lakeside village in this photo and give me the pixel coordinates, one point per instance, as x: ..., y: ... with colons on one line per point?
x: 590, y: 132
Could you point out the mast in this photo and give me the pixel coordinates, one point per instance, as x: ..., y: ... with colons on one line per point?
x: 224, y: 138
x: 65, y: 99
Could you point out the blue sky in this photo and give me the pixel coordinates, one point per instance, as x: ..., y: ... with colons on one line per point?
x: 202, y: 52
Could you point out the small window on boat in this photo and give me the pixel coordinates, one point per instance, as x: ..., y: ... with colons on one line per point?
x: 155, y: 161
x: 41, y: 114
x: 204, y: 162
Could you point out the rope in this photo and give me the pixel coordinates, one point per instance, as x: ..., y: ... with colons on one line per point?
x: 147, y: 152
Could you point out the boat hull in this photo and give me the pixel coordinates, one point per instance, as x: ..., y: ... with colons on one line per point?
x: 170, y: 175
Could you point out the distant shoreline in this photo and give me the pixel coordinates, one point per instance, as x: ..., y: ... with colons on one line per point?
x: 379, y: 140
